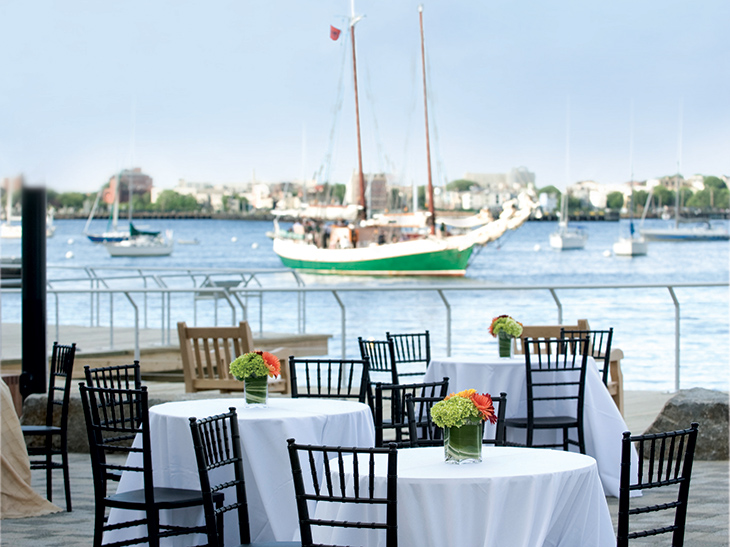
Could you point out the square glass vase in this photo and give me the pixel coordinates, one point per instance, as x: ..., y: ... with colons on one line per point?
x: 256, y: 390
x: 464, y: 444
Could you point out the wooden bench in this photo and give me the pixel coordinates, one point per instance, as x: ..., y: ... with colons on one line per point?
x: 207, y: 351
x: 615, y: 384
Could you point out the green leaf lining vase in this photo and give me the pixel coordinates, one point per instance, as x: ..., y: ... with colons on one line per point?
x: 505, y: 344
x: 256, y: 390
x: 464, y: 444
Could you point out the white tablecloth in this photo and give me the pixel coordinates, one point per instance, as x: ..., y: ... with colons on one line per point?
x: 516, y: 497
x: 269, y: 486
x: 602, y: 422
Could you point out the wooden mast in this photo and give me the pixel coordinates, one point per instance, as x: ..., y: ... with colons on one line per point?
x: 361, y: 179
x: 432, y: 219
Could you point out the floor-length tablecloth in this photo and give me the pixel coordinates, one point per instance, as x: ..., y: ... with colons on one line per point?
x: 516, y: 497
x: 264, y: 431
x: 18, y: 499
x: 603, y: 423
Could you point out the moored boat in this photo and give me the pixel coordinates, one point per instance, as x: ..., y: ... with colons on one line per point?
x: 390, y: 245
x: 141, y: 245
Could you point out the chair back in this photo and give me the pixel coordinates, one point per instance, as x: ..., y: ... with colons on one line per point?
x: 381, y: 354
x: 59, y: 385
x: 544, y: 331
x: 117, y: 376
x: 330, y: 378
x: 217, y: 444
x: 316, y: 480
x: 114, y: 417
x: 207, y: 351
x: 665, y: 461
x: 423, y: 432
x: 555, y: 371
x: 421, y: 429
x: 411, y: 349
x: 599, y: 347
x: 500, y: 409
x: 390, y: 408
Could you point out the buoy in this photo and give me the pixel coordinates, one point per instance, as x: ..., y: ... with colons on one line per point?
x: 69, y: 254
x: 234, y: 239
x: 537, y: 247
x: 254, y: 245
x: 70, y: 241
x: 606, y: 253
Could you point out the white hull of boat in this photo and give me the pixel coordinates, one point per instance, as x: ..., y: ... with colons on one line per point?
x: 695, y: 233
x: 140, y: 246
x: 568, y: 238
x: 628, y: 246
x: 15, y: 231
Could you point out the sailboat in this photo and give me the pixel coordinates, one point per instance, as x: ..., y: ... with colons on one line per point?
x: 695, y: 232
x: 131, y: 243
x: 381, y: 246
x: 567, y: 237
x: 8, y: 230
x: 634, y: 245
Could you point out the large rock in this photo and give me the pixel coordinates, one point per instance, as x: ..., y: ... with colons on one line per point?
x: 707, y: 407
x: 34, y: 412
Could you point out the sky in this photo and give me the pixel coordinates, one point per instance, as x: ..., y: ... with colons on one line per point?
x: 228, y: 91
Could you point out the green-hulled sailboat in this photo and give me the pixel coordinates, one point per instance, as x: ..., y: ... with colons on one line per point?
x: 383, y: 247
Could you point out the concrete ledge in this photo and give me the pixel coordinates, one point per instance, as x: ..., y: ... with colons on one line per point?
x: 34, y: 412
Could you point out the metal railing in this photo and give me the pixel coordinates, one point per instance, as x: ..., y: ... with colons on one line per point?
x: 251, y: 288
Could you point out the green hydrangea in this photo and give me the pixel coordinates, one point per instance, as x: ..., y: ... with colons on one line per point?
x: 248, y: 364
x: 454, y: 412
x: 506, y: 325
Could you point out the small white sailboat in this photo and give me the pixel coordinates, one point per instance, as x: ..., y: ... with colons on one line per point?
x: 567, y: 237
x: 634, y: 245
x: 8, y: 230
x: 142, y: 245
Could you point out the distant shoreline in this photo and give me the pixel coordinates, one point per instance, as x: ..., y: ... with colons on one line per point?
x: 598, y: 216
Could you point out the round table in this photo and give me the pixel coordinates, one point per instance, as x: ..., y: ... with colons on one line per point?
x: 603, y: 423
x: 264, y: 431
x: 521, y: 497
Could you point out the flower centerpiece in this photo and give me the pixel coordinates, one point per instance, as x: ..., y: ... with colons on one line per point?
x: 253, y: 369
x: 462, y: 417
x: 505, y: 328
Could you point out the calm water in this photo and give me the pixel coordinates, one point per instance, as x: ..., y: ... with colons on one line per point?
x: 643, y: 320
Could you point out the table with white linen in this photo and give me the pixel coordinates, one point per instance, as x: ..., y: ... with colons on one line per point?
x: 264, y: 431
x: 603, y: 424
x: 516, y: 497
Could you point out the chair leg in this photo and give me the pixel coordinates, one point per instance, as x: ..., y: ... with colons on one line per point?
x: 581, y: 440
x: 49, y: 467
x: 528, y: 440
x: 565, y: 439
x: 99, y: 521
x: 66, y: 480
x: 153, y: 527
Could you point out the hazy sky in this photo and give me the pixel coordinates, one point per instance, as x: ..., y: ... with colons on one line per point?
x: 213, y: 91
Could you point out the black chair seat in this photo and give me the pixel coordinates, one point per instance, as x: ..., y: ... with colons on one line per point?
x: 165, y: 498
x: 40, y: 430
x: 544, y: 422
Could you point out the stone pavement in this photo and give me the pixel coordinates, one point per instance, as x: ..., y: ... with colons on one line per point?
x: 708, y: 514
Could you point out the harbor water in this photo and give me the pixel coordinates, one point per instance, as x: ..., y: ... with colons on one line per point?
x: 643, y: 319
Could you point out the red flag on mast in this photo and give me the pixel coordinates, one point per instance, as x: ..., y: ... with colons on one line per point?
x: 334, y: 32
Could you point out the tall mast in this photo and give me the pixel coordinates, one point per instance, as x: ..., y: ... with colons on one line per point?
x: 361, y: 179
x: 432, y: 220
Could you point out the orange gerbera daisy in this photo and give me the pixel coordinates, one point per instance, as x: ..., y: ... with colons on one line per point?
x: 272, y: 362
x: 485, y: 406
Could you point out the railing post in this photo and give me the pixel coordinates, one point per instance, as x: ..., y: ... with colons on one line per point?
x: 111, y: 320
x: 448, y: 322
x: 676, y: 337
x: 342, y: 323
x: 560, y: 306
x: 136, y: 325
